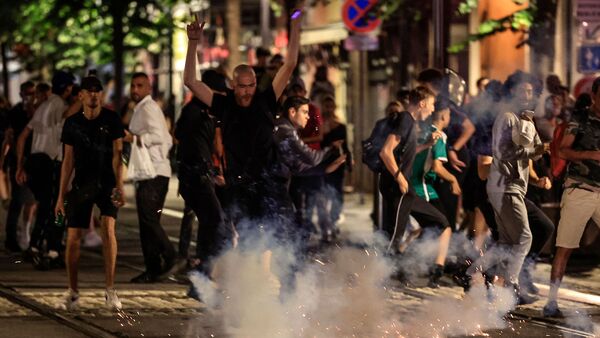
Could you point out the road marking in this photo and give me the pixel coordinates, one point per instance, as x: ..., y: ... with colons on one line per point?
x: 172, y: 213
x: 534, y: 320
x: 165, y: 211
x: 571, y: 295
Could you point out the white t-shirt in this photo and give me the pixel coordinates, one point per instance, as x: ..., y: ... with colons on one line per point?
x: 46, y: 124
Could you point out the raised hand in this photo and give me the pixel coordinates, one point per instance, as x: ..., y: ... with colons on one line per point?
x: 194, y: 30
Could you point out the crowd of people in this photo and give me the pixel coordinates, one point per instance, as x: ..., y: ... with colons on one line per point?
x: 256, y: 157
x: 501, y: 160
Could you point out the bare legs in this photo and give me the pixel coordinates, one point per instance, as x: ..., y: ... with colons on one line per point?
x: 109, y: 250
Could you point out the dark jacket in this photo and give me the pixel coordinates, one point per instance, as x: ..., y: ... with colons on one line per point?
x: 295, y: 157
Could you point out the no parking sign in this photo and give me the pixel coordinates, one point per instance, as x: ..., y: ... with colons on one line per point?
x: 358, y: 17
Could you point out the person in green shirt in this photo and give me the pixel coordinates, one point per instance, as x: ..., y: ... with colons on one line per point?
x: 428, y: 165
x: 431, y: 156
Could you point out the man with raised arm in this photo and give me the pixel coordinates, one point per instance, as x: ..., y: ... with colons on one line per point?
x: 248, y: 121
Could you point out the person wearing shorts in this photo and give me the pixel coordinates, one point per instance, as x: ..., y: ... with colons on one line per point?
x: 581, y: 197
x: 92, y: 147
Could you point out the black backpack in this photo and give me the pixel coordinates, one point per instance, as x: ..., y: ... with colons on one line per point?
x: 373, y: 145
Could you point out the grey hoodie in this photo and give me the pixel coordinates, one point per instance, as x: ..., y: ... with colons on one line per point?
x: 513, y: 144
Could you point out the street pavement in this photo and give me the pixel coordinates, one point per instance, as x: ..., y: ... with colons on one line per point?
x: 28, y: 298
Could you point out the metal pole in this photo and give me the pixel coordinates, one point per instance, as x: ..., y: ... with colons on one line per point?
x: 170, y: 49
x: 233, y: 16
x: 361, y: 118
x: 438, y: 34
x: 265, y: 32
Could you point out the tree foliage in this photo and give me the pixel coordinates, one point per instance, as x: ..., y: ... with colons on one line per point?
x: 74, y: 33
x: 537, y: 19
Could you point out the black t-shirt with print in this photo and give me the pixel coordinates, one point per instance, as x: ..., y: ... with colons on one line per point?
x: 250, y: 150
x: 92, y: 142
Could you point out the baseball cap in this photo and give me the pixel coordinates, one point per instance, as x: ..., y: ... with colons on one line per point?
x: 91, y: 83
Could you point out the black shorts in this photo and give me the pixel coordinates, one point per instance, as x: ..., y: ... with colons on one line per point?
x: 80, y: 203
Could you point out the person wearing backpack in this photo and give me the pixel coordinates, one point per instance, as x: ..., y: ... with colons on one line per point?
x: 397, y: 155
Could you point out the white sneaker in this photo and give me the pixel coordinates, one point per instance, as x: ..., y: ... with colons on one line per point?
x: 92, y: 240
x: 112, y: 300
x: 70, y: 301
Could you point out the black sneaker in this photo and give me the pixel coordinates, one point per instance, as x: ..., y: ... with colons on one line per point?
x: 462, y: 279
x: 193, y: 293
x: 551, y: 310
x: 56, y: 263
x: 403, y: 278
x: 29, y: 254
x: 144, y: 278
x: 436, y: 272
x: 41, y: 262
x: 171, y: 268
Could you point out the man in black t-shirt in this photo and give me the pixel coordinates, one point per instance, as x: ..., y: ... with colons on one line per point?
x: 247, y: 118
x: 92, y: 146
x: 18, y: 117
x: 398, y: 154
x: 195, y: 133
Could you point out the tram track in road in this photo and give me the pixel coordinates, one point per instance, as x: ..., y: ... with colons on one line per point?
x: 76, y: 323
x: 539, y: 321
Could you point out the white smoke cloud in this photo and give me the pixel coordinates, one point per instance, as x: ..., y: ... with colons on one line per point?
x: 582, y: 321
x: 344, y: 292
x: 476, y: 312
